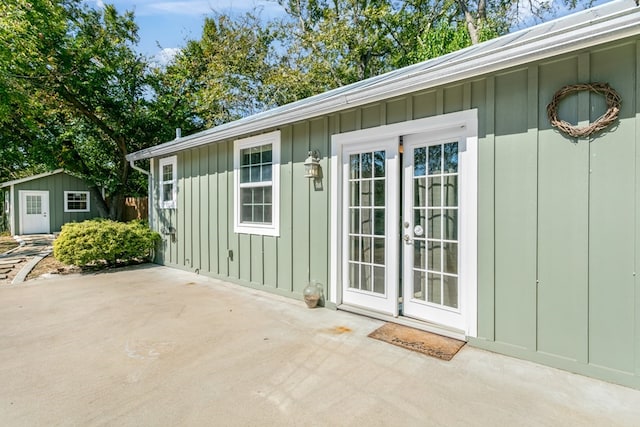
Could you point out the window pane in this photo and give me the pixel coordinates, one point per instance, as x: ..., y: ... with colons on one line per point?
x: 245, y: 174
x: 268, y: 215
x: 354, y: 221
x: 167, y: 172
x: 255, y: 174
x: 266, y: 173
x: 354, y: 190
x: 434, y: 256
x: 167, y: 192
x: 433, y: 223
x: 267, y: 154
x: 366, y: 282
x: 354, y: 248
x: 418, y: 255
x: 367, y: 250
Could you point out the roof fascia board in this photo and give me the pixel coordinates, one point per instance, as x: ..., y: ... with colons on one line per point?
x: 30, y: 178
x: 610, y: 28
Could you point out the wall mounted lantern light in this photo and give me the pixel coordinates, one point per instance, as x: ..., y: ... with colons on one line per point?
x: 312, y: 169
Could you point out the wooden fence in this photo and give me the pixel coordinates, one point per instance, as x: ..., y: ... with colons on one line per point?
x: 136, y: 208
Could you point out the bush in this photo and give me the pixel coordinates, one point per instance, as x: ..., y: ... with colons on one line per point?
x: 108, y: 242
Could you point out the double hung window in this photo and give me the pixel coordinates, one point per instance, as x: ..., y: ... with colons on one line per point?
x: 168, y: 182
x: 257, y: 173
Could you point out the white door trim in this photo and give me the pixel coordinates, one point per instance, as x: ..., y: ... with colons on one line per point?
x: 467, y: 122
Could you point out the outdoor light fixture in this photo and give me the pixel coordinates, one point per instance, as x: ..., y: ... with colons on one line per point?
x: 312, y: 168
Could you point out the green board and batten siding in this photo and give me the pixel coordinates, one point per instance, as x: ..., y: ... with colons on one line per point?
x: 56, y: 185
x: 558, y: 219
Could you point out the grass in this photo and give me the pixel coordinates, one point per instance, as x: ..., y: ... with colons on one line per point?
x: 7, y: 243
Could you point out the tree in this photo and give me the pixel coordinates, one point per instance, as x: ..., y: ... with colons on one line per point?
x: 76, y: 95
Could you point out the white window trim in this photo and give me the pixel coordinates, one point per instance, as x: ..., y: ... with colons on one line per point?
x: 272, y: 229
x: 168, y: 204
x: 66, y: 201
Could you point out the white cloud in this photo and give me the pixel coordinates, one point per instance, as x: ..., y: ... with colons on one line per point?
x: 180, y: 7
x: 100, y: 4
x: 165, y: 56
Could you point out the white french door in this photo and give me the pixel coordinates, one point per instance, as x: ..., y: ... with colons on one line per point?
x: 370, y: 247
x: 404, y: 221
x: 431, y: 231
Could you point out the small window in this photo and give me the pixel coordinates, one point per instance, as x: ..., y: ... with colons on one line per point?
x: 168, y: 182
x: 257, y: 184
x: 75, y: 201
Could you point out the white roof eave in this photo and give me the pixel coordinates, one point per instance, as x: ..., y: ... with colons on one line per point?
x: 475, y: 63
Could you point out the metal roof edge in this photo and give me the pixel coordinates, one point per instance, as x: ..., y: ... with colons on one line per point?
x: 615, y: 26
x: 30, y: 178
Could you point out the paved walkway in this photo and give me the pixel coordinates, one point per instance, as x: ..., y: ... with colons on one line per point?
x: 16, y: 264
x: 154, y: 346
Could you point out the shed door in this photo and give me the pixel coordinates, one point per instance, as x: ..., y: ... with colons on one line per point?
x: 34, y: 212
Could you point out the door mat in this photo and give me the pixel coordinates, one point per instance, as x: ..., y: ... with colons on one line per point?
x: 413, y: 339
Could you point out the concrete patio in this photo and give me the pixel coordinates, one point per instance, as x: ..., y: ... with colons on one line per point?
x: 156, y: 346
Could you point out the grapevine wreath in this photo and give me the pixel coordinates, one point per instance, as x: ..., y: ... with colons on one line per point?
x: 602, y: 122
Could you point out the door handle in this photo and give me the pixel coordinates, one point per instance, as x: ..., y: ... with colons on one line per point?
x: 407, y: 239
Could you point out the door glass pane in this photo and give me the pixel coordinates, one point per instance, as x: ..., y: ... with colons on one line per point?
x: 354, y: 193
x: 451, y: 157
x: 354, y: 221
x: 450, y: 291
x: 434, y: 261
x: 433, y: 223
x: 435, y: 159
x: 354, y: 166
x: 379, y: 194
x: 378, y: 222
x: 450, y: 258
x: 378, y: 251
x: 366, y: 220
x: 419, y: 257
x: 419, y: 161
x: 434, y: 293
x: 366, y: 193
x: 434, y: 191
x: 354, y: 248
x: 379, y: 168
x: 450, y: 224
x: 419, y: 285
x: 450, y: 191
x: 367, y: 250
x: 367, y: 165
x: 419, y: 192
x: 354, y: 275
x: 366, y: 279
x: 378, y: 280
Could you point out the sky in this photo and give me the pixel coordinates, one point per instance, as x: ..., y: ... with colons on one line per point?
x: 165, y: 26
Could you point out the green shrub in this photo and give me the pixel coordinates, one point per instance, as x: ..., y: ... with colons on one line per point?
x: 99, y: 241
